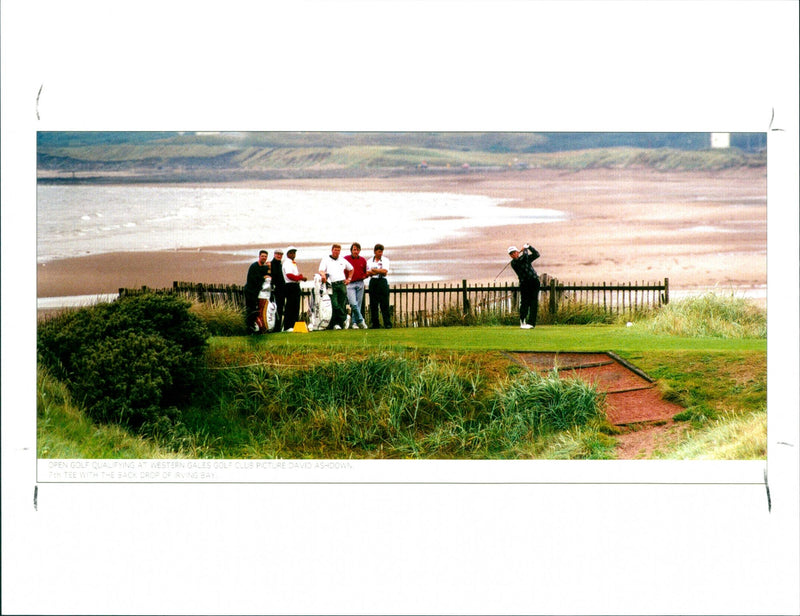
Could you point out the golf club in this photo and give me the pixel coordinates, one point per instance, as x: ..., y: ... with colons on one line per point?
x: 501, y: 271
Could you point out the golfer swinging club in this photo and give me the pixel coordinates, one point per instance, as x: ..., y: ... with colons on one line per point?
x: 522, y: 264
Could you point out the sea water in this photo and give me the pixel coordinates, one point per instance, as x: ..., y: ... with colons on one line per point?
x: 74, y: 221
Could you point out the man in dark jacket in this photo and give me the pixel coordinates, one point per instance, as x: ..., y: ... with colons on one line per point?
x: 278, y: 287
x: 255, y: 279
x: 522, y: 264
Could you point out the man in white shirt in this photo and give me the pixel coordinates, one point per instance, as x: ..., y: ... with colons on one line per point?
x: 337, y: 271
x: 378, y: 269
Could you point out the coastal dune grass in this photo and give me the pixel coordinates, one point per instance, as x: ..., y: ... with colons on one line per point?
x: 392, y: 404
x: 711, y: 315
x: 428, y: 393
x: 730, y: 437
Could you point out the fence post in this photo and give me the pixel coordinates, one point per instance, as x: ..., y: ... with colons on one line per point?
x: 666, y: 290
x: 464, y: 296
x: 553, y: 300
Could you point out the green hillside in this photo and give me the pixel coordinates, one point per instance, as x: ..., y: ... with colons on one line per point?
x: 323, y: 153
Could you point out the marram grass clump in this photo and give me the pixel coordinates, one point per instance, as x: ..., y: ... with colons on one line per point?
x: 710, y: 316
x: 730, y: 437
x: 393, y: 405
x: 546, y: 404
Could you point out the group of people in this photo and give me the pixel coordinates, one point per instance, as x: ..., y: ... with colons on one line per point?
x: 347, y: 275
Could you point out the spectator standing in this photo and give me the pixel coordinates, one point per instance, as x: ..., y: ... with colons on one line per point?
x: 336, y: 270
x: 378, y: 268
x: 522, y: 264
x: 255, y: 279
x: 355, y: 288
x: 278, y: 287
x: 292, y: 277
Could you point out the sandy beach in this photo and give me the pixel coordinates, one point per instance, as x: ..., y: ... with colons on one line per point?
x: 699, y: 229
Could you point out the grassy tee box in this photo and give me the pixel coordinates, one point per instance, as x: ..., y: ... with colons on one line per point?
x: 595, y: 338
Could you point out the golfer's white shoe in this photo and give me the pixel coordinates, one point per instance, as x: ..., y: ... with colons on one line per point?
x: 363, y: 325
x: 524, y: 325
x: 337, y: 327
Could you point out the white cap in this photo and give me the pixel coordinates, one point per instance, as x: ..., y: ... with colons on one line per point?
x: 290, y: 249
x: 512, y: 249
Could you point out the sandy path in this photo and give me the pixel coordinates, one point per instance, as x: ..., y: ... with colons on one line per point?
x: 699, y: 229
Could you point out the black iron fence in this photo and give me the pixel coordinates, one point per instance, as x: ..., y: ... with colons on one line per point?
x: 431, y: 304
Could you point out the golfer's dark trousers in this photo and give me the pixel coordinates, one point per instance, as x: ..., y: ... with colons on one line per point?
x: 250, y: 309
x: 279, y: 297
x: 529, y: 300
x: 379, y: 302
x: 338, y: 304
x: 292, y: 310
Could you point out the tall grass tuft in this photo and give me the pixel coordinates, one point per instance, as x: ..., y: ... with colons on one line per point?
x: 580, y: 443
x: 221, y: 319
x: 571, y: 311
x: 389, y: 404
x: 731, y: 437
x: 710, y: 316
x: 545, y: 404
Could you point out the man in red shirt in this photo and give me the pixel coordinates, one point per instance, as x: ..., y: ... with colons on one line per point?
x: 355, y: 288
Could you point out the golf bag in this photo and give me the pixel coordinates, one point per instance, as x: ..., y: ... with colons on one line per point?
x: 266, y: 308
x: 319, y: 305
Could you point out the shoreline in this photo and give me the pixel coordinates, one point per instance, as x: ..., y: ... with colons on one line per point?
x: 622, y: 226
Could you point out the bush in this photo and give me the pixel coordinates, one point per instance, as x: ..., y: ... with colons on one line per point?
x: 125, y: 379
x: 129, y: 361
x: 63, y: 338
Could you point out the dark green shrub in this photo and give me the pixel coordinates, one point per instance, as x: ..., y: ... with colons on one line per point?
x: 62, y: 338
x: 130, y: 361
x: 126, y: 379
x: 163, y: 314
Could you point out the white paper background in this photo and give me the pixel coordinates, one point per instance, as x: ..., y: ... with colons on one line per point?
x: 655, y: 543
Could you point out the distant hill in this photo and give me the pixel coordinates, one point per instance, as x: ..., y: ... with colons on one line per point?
x: 529, y: 142
x: 198, y: 156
